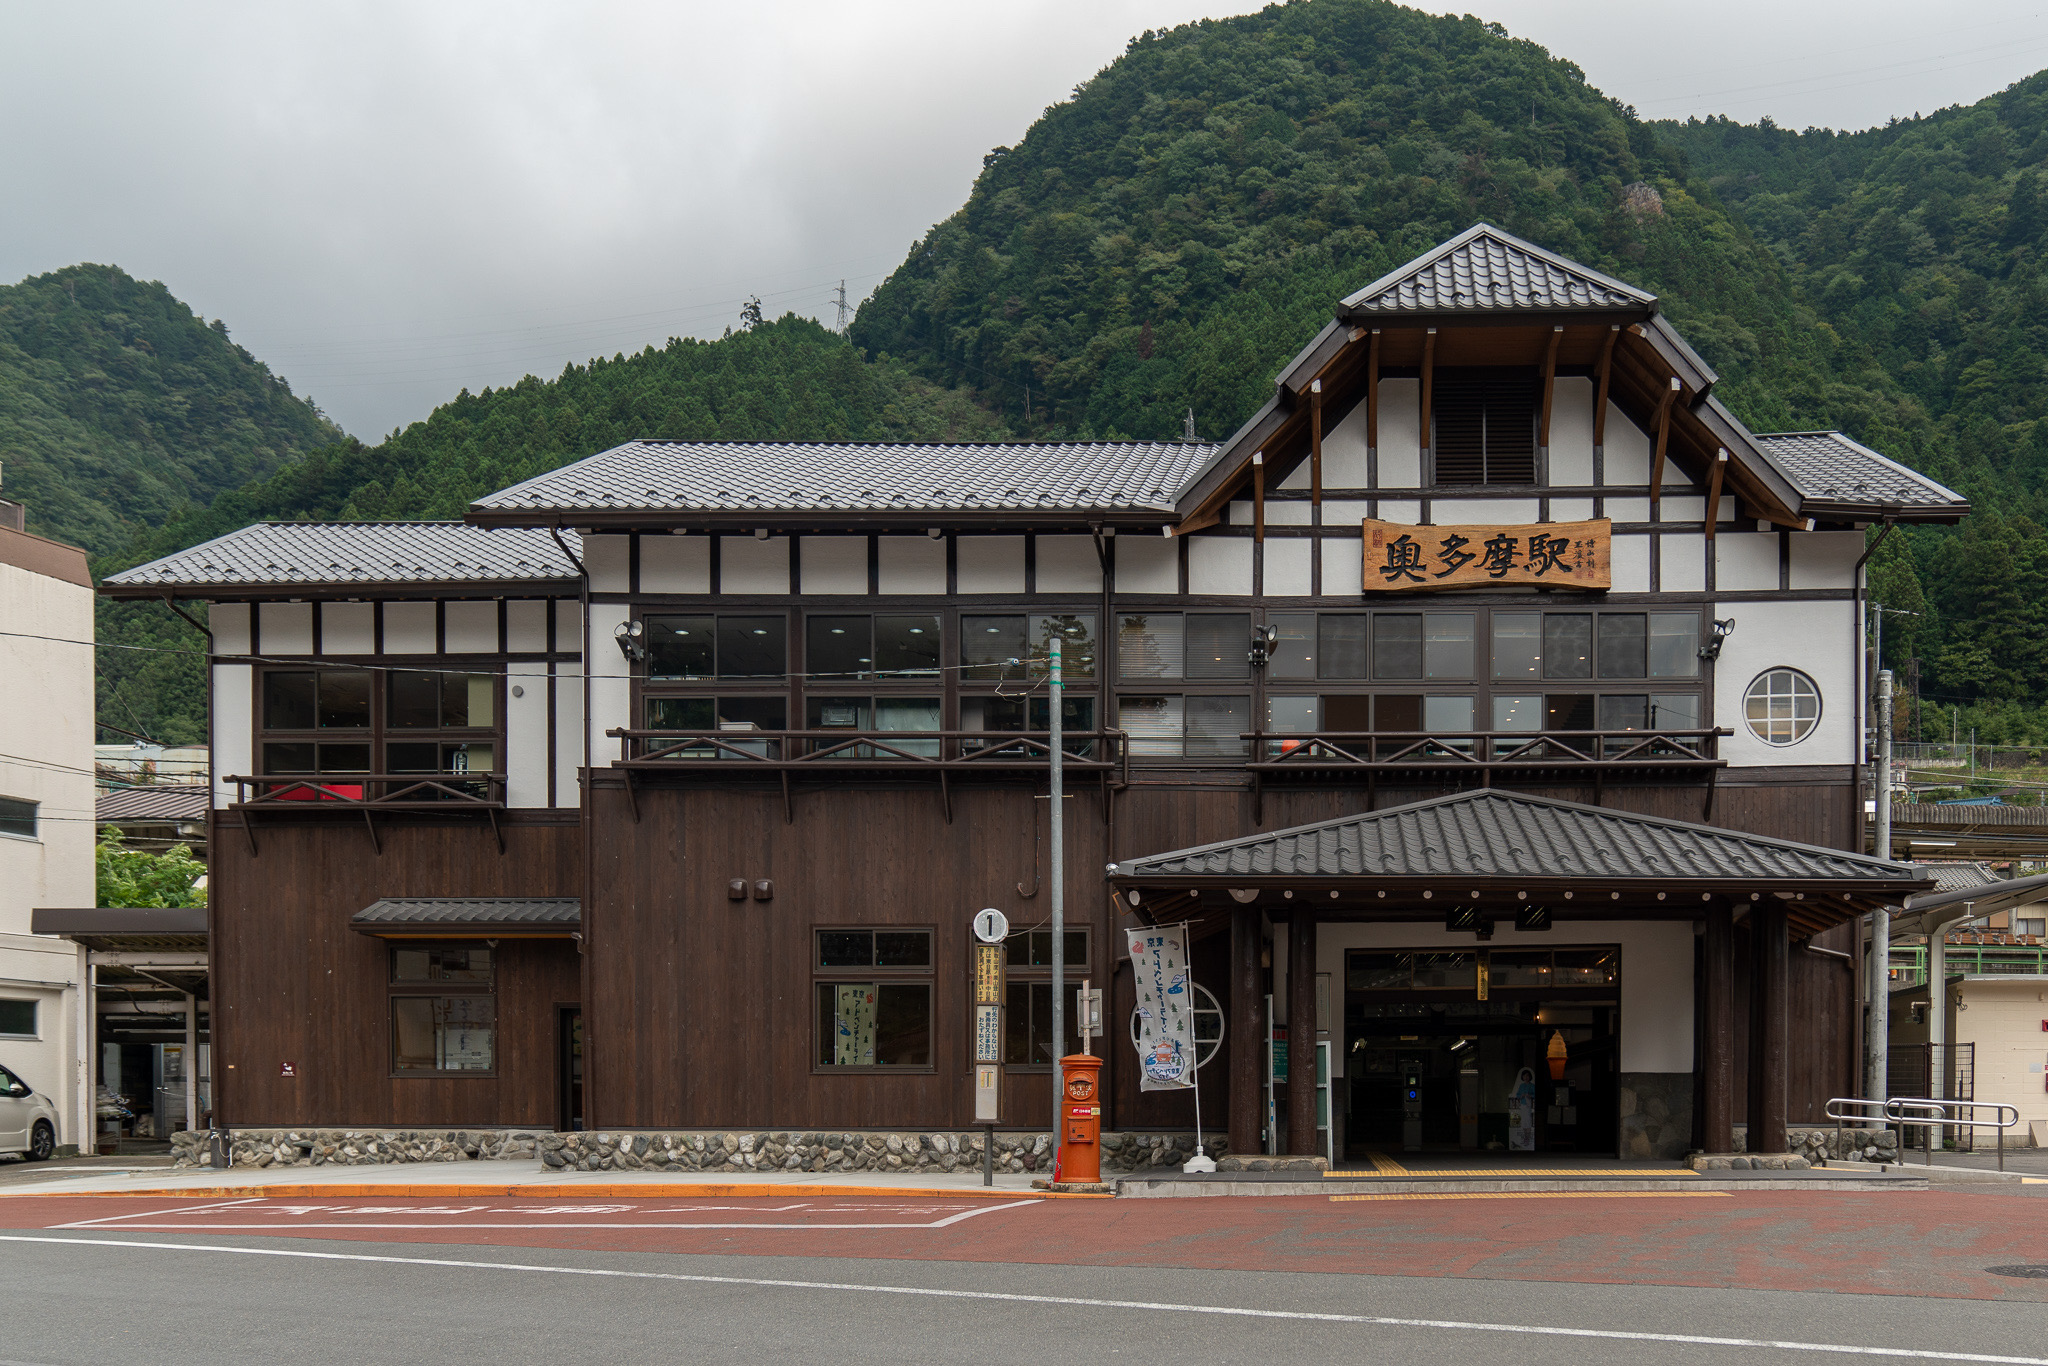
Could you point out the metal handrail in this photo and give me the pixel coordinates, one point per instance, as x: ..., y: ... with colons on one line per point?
x: 1458, y: 749
x: 1958, y: 1114
x: 1094, y: 750
x: 389, y: 789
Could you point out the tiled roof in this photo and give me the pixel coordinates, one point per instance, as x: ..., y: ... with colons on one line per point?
x: 1493, y: 834
x: 1828, y: 467
x: 472, y: 910
x: 293, y: 553
x: 1484, y: 268
x: 769, y: 476
x: 157, y: 802
x: 1956, y: 877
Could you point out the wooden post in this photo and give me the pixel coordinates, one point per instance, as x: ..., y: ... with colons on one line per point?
x: 1717, y: 1042
x: 1714, y: 489
x: 1247, y: 1034
x: 1604, y: 373
x: 1663, y: 436
x: 1258, y: 497
x: 1315, y: 442
x: 1428, y: 383
x: 1301, y: 1036
x: 1372, y: 392
x: 1549, y: 388
x: 1769, y: 966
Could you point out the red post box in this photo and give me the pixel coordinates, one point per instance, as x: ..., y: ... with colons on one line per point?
x: 1079, y: 1157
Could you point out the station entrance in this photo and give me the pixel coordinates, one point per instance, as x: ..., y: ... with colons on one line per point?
x: 1482, y: 1050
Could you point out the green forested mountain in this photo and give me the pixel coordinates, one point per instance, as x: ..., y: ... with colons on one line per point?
x: 119, y: 406
x: 1927, y: 240
x: 787, y: 379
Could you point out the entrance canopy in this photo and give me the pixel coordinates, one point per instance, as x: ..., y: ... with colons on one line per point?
x: 1501, y: 852
x: 470, y: 917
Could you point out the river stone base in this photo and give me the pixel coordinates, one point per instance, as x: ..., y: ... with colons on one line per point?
x: 1744, y: 1162
x: 1821, y: 1146
x: 1283, y: 1163
x: 733, y: 1151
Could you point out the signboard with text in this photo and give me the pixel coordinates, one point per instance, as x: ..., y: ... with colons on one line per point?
x: 1400, y: 558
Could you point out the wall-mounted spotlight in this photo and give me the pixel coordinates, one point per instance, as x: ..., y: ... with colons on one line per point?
x: 1722, y: 630
x: 1265, y: 639
x: 627, y: 634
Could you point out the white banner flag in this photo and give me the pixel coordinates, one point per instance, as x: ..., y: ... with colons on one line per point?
x: 1166, y: 1008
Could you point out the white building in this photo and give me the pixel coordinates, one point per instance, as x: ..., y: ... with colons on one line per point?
x: 46, y: 809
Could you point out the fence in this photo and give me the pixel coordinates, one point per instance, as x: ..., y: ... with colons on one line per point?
x: 1942, y: 1071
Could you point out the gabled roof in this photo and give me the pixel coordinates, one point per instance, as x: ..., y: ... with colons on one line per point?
x: 1831, y: 471
x: 1485, y: 269
x: 1958, y: 877
x: 1492, y: 834
x: 342, y: 554
x: 722, y: 478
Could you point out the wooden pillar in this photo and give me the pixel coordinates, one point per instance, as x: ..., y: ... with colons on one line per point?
x: 1717, y: 1037
x: 1301, y: 1035
x: 1247, y: 1033
x: 1769, y: 965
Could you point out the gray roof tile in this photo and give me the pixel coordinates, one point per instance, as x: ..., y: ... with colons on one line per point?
x: 1494, y: 834
x: 1827, y: 467
x: 154, y: 802
x: 311, y: 553
x: 741, y: 476
x: 1484, y: 268
x: 1956, y: 877
x: 472, y: 910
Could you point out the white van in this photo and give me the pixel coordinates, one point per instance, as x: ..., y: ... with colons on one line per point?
x: 28, y: 1122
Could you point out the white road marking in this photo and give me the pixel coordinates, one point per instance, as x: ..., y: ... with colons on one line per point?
x: 1073, y: 1301
x: 158, y: 1221
x: 155, y: 1213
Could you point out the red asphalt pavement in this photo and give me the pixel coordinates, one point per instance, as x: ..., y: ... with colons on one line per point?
x: 1898, y: 1243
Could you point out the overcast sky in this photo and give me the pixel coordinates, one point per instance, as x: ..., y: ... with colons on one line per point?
x: 390, y: 202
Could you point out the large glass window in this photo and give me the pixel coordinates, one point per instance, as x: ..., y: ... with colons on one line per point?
x: 873, y: 998
x: 443, y: 1010
x: 1423, y: 645
x: 1295, y: 640
x: 690, y: 647
x: 1191, y: 725
x: 1027, y: 1016
x: 884, y: 647
x: 1016, y: 646
x: 1194, y: 645
x: 1341, y: 646
x: 316, y: 699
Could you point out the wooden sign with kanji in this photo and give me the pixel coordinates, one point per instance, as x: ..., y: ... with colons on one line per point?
x: 1406, y: 559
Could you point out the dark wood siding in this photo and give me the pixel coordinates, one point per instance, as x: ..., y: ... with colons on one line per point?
x: 293, y: 983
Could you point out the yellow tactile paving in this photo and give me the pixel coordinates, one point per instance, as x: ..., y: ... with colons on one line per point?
x: 1542, y: 1195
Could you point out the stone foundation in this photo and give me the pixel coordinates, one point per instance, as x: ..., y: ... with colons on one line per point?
x: 1820, y: 1146
x: 735, y: 1151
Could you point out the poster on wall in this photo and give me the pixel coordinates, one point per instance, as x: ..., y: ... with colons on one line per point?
x: 854, y: 1026
x: 1522, y: 1113
x: 1166, y: 1014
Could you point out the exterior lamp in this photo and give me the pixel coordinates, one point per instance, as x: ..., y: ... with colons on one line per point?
x: 1556, y: 1054
x: 1722, y: 630
x: 627, y: 634
x: 1265, y: 639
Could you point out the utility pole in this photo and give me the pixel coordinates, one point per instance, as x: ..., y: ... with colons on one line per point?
x: 1877, y: 1025
x: 1058, y: 873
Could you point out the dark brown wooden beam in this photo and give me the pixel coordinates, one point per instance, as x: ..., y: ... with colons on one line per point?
x: 1663, y: 437
x: 1714, y: 489
x: 1372, y: 392
x: 1301, y: 1035
x: 1315, y: 443
x: 1258, y: 497
x: 1247, y: 1031
x: 1428, y: 379
x: 1604, y: 374
x: 1549, y: 387
x: 1717, y: 1037
x: 1770, y: 964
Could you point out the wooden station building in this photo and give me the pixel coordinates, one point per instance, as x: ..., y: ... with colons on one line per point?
x: 1493, y: 693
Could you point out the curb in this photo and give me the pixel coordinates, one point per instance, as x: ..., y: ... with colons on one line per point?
x: 663, y: 1191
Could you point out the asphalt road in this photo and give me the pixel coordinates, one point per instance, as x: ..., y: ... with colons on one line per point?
x: 1773, y: 1278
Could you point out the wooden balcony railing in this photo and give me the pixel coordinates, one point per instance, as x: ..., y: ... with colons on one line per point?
x: 945, y: 753
x: 1488, y: 757
x: 369, y: 793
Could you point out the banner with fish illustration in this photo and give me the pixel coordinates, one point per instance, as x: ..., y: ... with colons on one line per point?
x: 1166, y: 1008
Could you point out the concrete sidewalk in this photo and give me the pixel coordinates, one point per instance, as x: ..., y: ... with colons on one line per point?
x: 522, y: 1177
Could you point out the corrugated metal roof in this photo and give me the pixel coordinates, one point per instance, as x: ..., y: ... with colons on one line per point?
x: 772, y: 476
x: 160, y: 802
x: 308, y: 553
x: 1828, y: 467
x: 1489, y: 833
x: 1484, y: 268
x: 471, y: 910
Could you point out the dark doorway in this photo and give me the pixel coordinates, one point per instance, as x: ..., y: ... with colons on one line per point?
x: 569, y: 1067
x: 1453, y: 1051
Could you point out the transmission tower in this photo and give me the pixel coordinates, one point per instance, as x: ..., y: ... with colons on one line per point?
x: 842, y: 307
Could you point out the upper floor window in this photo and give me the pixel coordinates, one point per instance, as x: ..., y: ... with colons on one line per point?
x: 1485, y: 425
x: 1190, y: 645
x: 1014, y: 646
x: 1782, y: 706
x: 717, y: 647
x: 1573, y: 645
x: 341, y: 721
x: 883, y: 647
x: 18, y: 817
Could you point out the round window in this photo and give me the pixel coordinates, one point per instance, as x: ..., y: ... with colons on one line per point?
x: 1781, y: 706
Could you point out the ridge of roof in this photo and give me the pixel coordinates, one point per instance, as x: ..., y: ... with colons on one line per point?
x: 1497, y: 270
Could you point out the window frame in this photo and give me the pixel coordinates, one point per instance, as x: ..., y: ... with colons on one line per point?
x: 1028, y: 975
x: 34, y: 819
x: 35, y: 1014
x: 1812, y: 724
x: 396, y: 990
x: 926, y: 976
x: 379, y: 734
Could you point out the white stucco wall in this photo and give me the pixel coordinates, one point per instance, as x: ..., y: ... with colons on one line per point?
x: 1817, y: 638
x: 2003, y: 1019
